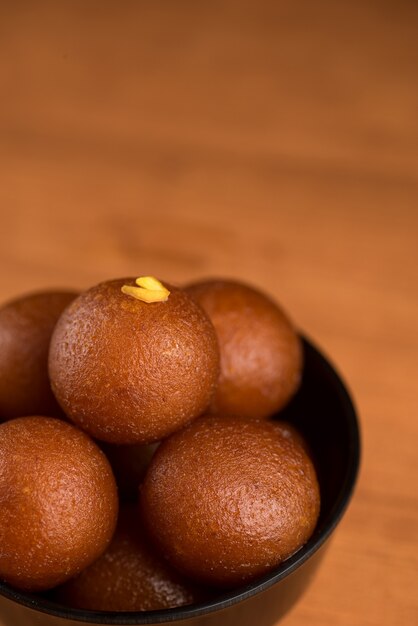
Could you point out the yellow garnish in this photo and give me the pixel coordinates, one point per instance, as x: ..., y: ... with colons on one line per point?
x: 149, y: 282
x: 149, y: 290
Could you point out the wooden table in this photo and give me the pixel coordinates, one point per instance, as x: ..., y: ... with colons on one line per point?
x: 272, y: 141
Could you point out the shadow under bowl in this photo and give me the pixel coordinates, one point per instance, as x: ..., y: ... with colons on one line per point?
x: 324, y: 413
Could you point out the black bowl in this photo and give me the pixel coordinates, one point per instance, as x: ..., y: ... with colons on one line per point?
x: 323, y: 411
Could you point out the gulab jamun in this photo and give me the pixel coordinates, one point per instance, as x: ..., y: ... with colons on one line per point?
x: 26, y: 326
x: 228, y: 499
x: 58, y: 502
x: 133, y: 371
x: 129, y: 576
x: 261, y: 353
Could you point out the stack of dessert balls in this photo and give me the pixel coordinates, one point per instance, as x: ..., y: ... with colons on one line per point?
x: 140, y: 467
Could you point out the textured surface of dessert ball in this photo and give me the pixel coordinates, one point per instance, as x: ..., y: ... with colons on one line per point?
x: 58, y: 502
x: 129, y: 576
x: 128, y: 371
x: 26, y: 326
x: 228, y: 499
x: 261, y: 354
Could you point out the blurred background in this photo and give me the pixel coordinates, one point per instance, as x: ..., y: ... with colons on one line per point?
x: 273, y: 141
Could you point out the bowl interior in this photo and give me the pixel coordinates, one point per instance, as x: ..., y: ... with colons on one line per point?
x: 323, y: 412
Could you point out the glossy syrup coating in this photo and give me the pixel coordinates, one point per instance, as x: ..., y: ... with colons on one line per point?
x: 128, y: 371
x: 26, y: 326
x: 58, y: 502
x: 228, y: 499
x: 129, y: 576
x: 261, y: 353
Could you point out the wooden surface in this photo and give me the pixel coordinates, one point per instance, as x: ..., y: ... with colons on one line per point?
x: 272, y: 141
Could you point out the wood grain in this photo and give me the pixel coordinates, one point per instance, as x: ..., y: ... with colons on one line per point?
x: 272, y: 141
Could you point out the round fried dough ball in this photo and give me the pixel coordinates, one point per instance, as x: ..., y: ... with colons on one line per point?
x: 129, y: 371
x: 261, y: 354
x: 26, y: 326
x: 129, y: 576
x: 228, y: 499
x: 58, y: 502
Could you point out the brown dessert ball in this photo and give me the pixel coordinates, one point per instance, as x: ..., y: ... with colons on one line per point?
x: 128, y: 371
x: 58, y: 502
x: 261, y: 354
x: 129, y: 464
x: 290, y: 432
x: 129, y: 576
x: 26, y: 326
x: 228, y: 499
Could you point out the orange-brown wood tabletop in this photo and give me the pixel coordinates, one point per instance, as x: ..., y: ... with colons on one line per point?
x: 272, y: 141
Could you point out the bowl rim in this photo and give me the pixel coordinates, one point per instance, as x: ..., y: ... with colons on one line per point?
x: 229, y: 598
